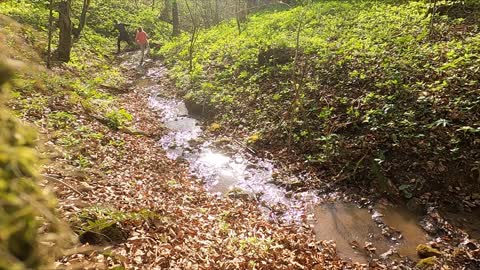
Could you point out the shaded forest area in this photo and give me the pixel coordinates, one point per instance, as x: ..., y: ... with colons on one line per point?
x: 374, y: 98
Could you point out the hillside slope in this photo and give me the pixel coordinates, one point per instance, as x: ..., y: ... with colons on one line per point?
x: 371, y: 94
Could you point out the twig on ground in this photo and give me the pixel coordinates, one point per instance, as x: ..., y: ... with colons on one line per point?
x: 55, y: 179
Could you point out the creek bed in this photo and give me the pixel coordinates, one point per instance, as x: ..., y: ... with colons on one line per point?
x: 240, y: 171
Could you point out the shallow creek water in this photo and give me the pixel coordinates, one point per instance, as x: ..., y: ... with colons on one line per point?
x: 346, y: 223
x: 351, y: 227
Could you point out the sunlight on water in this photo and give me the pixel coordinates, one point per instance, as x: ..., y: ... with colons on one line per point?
x: 225, y: 181
x: 214, y: 159
x: 345, y: 223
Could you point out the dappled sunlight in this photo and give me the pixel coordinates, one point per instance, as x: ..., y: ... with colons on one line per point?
x: 240, y: 134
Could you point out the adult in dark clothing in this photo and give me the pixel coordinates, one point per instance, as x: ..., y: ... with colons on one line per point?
x: 122, y: 34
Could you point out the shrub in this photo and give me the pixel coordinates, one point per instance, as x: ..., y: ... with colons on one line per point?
x: 22, y: 199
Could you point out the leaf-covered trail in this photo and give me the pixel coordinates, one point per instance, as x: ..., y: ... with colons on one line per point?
x: 186, y: 228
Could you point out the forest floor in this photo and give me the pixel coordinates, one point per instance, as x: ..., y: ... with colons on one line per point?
x: 147, y: 212
x: 132, y: 206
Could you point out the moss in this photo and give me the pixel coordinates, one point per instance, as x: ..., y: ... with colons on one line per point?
x: 425, y: 251
x: 426, y: 263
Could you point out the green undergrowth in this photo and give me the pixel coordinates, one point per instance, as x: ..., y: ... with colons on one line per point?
x: 97, y: 225
x: 82, y: 84
x: 58, y: 102
x: 86, y: 82
x: 101, y: 18
x: 25, y: 206
x: 374, y: 93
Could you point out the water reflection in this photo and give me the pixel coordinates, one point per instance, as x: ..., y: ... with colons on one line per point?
x: 352, y: 227
x: 406, y: 223
x: 348, y: 226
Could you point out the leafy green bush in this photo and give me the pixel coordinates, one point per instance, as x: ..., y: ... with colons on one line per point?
x: 96, y: 225
x: 119, y: 118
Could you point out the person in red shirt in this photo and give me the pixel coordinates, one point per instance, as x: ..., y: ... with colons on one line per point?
x: 142, y: 41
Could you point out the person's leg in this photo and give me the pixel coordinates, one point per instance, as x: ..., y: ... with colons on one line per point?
x: 142, y: 51
x: 118, y: 44
x: 126, y: 38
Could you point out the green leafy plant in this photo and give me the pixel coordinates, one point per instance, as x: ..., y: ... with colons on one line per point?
x: 99, y: 224
x: 119, y: 118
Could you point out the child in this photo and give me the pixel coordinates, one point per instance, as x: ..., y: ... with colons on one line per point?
x: 142, y: 41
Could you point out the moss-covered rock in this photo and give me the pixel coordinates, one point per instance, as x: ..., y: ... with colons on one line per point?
x: 427, y: 263
x: 425, y: 251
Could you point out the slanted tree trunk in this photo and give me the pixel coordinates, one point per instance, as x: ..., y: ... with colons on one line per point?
x: 83, y: 19
x: 175, y: 19
x: 65, y: 25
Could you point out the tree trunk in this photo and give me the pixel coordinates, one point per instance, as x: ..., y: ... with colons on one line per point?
x: 166, y: 13
x: 251, y: 6
x: 175, y: 19
x: 242, y: 11
x: 296, y: 82
x: 432, y: 19
x: 193, y: 37
x: 217, y: 12
x: 83, y: 19
x: 50, y: 34
x: 65, y: 25
x: 239, y: 15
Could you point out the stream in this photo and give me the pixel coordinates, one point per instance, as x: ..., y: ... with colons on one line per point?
x: 239, y: 172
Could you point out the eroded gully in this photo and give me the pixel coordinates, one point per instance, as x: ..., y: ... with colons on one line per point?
x: 233, y: 170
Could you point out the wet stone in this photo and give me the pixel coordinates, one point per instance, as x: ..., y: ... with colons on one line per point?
x: 425, y: 251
